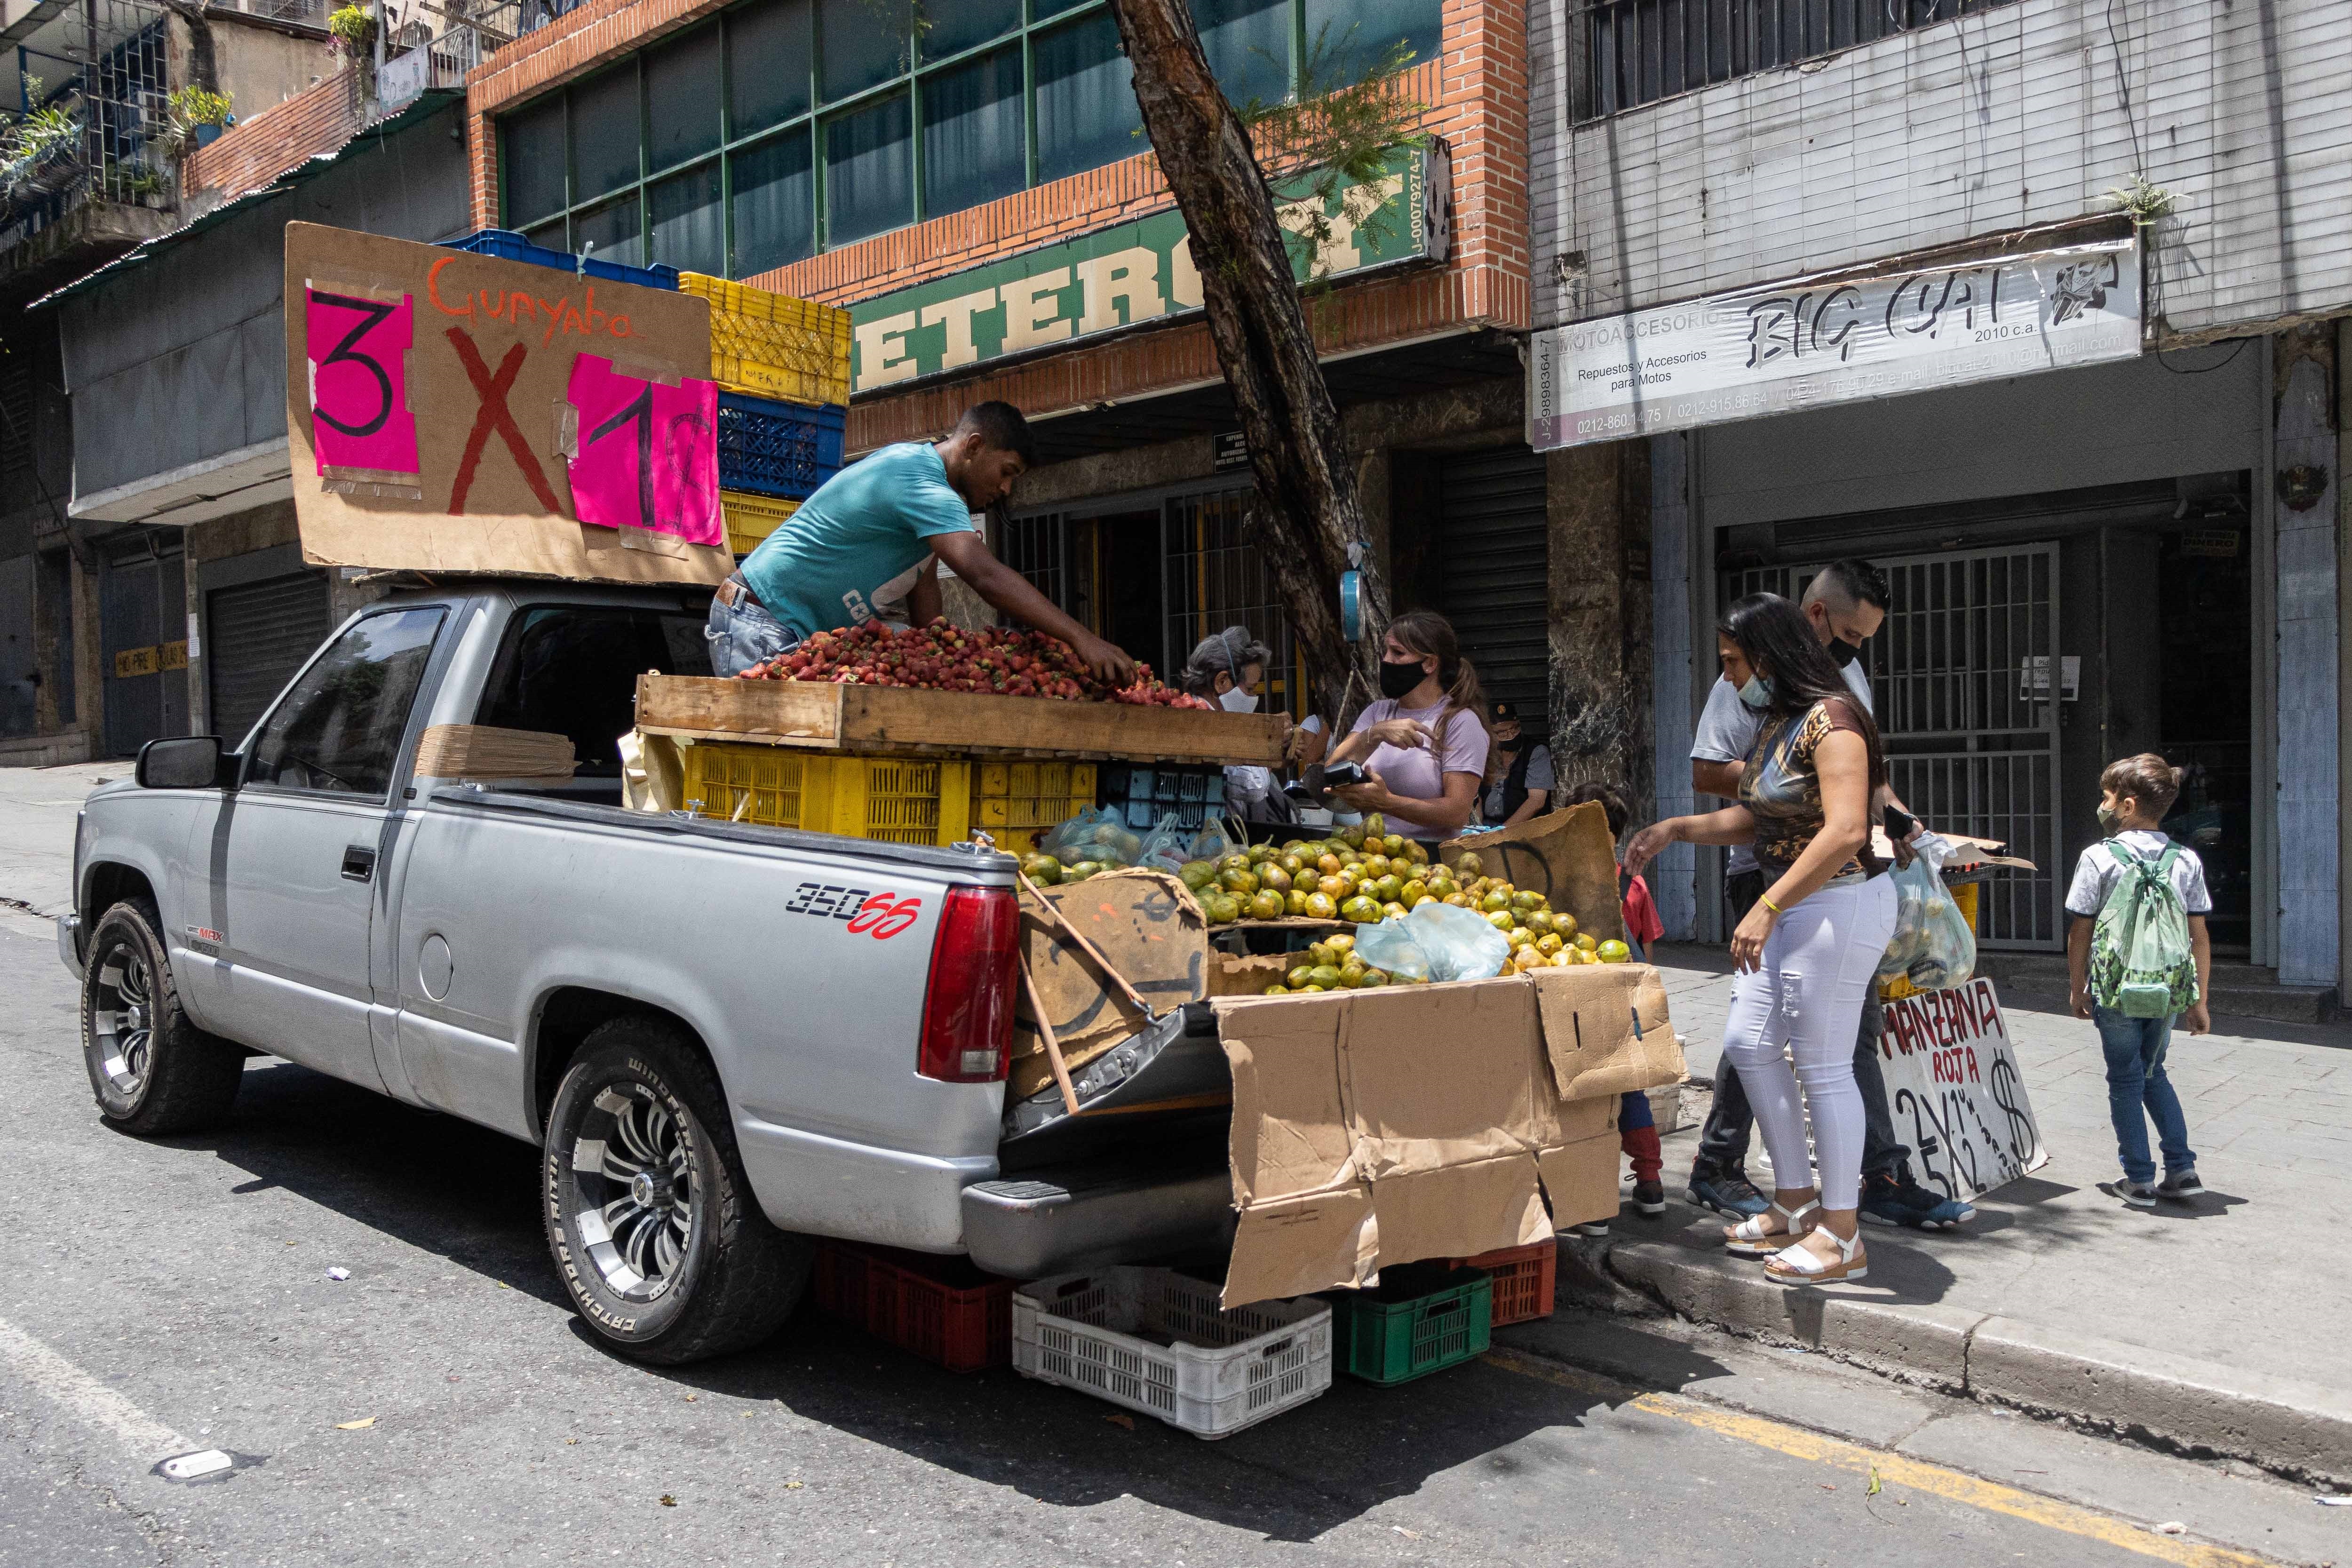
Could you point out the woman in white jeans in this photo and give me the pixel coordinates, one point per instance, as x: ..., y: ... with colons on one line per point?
x: 1805, y: 956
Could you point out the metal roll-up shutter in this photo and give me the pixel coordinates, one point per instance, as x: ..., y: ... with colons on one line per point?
x: 1490, y: 557
x: 258, y: 634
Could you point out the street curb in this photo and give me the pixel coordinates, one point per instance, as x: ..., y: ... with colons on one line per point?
x: 2302, y: 1430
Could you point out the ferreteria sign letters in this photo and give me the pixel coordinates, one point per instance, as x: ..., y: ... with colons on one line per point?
x: 1134, y: 273
x: 1833, y: 339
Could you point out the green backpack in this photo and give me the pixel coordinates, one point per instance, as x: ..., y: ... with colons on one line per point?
x: 2141, y: 962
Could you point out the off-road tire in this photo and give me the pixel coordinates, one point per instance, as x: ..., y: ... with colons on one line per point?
x: 732, y: 1279
x: 182, y: 1078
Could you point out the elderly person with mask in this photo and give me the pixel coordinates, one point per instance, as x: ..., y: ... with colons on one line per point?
x: 1229, y: 670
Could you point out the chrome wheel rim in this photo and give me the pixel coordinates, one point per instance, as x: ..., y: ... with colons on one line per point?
x: 122, y: 1019
x: 639, y: 1194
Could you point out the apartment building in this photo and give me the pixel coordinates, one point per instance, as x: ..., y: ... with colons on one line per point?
x: 2038, y: 304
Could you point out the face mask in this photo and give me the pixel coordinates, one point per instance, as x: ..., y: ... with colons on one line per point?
x: 1238, y: 701
x: 1842, y: 653
x: 1396, y: 679
x: 1756, y: 693
x: 2110, y: 821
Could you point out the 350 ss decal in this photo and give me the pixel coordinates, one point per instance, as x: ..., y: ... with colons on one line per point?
x: 879, y: 915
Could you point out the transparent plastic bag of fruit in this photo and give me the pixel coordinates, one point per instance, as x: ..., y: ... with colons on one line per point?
x: 1390, y: 945
x: 1933, y: 947
x: 1098, y: 835
x: 1460, y: 943
x: 1172, y: 844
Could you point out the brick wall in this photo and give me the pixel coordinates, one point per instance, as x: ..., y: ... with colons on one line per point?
x: 1476, y: 88
x: 320, y: 118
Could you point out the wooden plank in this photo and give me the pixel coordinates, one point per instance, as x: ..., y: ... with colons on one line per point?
x: 881, y: 718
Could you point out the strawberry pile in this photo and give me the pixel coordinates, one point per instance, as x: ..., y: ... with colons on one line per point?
x: 942, y: 657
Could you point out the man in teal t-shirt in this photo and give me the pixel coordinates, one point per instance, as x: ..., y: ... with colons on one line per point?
x: 868, y: 545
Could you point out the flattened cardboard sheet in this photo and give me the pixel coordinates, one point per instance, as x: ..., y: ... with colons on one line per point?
x: 1152, y: 931
x: 1580, y: 1180
x: 1460, y: 1211
x: 455, y: 370
x: 1439, y: 1075
x: 1292, y: 1135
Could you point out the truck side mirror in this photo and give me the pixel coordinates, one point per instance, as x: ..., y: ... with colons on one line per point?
x: 194, y: 762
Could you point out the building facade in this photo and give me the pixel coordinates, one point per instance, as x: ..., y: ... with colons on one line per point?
x: 971, y: 182
x: 2094, y: 554
x: 104, y: 156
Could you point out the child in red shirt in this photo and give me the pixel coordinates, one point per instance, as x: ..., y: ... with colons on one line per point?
x: 1637, y: 1129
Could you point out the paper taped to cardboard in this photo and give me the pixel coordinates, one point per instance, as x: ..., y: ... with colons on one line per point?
x: 430, y: 426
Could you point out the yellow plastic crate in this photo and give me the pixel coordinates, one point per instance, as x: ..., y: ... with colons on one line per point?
x: 750, y: 519
x: 773, y: 345
x: 1017, y: 795
x: 900, y: 800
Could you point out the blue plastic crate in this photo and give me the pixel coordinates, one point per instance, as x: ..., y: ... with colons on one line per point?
x: 507, y: 246
x: 781, y: 449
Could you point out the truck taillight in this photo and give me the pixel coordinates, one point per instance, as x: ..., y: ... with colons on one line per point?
x: 975, y: 976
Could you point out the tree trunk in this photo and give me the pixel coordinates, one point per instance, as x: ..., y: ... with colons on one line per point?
x: 1307, y: 512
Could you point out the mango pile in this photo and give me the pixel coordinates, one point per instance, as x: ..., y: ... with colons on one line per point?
x: 1360, y: 873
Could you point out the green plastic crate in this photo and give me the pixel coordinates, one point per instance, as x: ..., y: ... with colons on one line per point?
x: 1422, y: 1318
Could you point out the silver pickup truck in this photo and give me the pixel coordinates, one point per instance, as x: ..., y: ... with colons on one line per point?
x: 726, y: 1039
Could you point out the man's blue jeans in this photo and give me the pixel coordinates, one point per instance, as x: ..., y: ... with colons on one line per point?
x: 743, y: 635
x: 2137, y: 1082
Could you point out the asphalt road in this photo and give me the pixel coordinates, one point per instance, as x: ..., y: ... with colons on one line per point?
x: 441, y: 1404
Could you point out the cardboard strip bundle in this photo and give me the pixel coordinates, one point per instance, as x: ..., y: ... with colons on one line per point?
x: 485, y: 752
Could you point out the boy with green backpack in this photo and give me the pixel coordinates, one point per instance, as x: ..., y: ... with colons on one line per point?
x: 2137, y: 957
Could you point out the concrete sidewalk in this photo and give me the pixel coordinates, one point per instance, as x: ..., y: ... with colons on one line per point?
x: 2215, y: 1325
x: 36, y: 831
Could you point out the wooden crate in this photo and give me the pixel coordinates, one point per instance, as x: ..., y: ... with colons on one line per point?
x: 892, y: 720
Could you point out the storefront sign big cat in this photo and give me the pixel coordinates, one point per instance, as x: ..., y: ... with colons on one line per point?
x: 454, y: 412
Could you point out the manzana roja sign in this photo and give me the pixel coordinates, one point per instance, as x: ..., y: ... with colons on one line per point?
x: 1136, y: 272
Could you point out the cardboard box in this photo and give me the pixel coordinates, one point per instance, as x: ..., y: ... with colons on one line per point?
x: 1566, y: 856
x: 1375, y: 1127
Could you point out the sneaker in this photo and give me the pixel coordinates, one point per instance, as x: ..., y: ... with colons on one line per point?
x: 2181, y: 1184
x: 2139, y: 1195
x: 1889, y: 1200
x: 1650, y: 1197
x: 1732, y: 1194
x: 1593, y: 1227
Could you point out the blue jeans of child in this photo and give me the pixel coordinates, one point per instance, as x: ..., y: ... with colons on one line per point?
x: 2137, y: 1082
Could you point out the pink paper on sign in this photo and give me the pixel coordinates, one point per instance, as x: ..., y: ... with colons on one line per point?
x: 358, y: 350
x: 647, y: 455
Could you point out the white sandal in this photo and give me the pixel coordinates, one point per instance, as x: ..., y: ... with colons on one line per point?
x: 1798, y: 1265
x: 1749, y: 1238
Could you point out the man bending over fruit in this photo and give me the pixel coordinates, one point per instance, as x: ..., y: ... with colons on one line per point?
x: 867, y: 546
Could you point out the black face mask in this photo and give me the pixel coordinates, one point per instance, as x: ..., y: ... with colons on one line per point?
x: 1843, y: 652
x: 1396, y: 679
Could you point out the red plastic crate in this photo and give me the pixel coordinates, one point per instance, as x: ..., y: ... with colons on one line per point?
x: 942, y: 1309
x: 1523, y: 1276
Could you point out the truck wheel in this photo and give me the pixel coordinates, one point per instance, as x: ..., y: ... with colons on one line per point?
x: 153, y: 1071
x: 653, y: 1225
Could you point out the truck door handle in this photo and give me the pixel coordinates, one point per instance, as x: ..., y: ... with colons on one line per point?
x: 358, y: 863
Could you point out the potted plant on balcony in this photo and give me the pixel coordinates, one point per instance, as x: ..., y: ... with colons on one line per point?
x: 39, y: 149
x: 195, y: 116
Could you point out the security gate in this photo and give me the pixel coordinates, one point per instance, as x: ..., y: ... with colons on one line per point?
x: 1967, y: 682
x: 1492, y: 582
x: 142, y: 621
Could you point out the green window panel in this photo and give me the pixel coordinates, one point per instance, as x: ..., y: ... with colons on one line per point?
x: 708, y: 150
x: 974, y: 131
x: 682, y: 100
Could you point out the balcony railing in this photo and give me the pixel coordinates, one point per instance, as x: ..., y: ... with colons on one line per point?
x: 100, y: 131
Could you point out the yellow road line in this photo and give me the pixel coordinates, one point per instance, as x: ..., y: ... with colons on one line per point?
x: 1892, y: 1469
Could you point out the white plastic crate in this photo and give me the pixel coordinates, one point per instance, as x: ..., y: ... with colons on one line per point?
x: 1223, y: 1371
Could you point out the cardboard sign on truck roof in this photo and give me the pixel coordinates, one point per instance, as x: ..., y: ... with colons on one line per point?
x: 449, y: 412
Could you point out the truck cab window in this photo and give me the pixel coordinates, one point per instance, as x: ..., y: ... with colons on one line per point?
x: 339, y: 726
x: 571, y: 669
